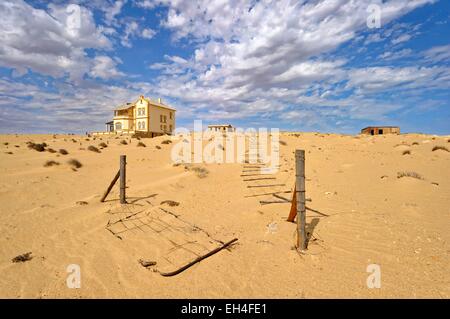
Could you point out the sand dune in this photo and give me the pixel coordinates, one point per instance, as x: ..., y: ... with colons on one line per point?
x: 366, y: 207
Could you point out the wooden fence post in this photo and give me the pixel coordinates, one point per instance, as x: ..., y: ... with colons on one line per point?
x: 300, y: 194
x: 123, y: 163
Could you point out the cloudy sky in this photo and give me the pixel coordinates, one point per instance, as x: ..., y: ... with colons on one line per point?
x: 318, y: 65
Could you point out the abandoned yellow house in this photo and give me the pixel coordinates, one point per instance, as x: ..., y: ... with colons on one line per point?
x: 144, y: 117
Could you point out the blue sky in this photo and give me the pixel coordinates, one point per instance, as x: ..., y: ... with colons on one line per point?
x: 294, y: 65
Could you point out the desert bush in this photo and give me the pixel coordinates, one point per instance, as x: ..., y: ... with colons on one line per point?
x: 75, y: 163
x: 36, y: 147
x: 74, y: 140
x: 6, y: 143
x: 443, y: 148
x: 407, y: 152
x: 158, y: 147
x: 415, y: 143
x: 123, y: 142
x: 102, y: 144
x: 50, y: 163
x: 140, y: 144
x: 201, y: 172
x: 166, y: 142
x: 63, y: 152
x: 409, y: 174
x: 51, y: 150
x: 93, y: 149
x: 171, y: 203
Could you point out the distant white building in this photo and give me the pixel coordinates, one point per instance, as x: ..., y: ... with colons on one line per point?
x: 221, y: 128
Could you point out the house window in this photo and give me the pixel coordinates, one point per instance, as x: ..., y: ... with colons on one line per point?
x: 143, y: 111
x: 380, y: 131
x: 170, y: 128
x: 143, y: 125
x: 170, y: 115
x: 118, y: 126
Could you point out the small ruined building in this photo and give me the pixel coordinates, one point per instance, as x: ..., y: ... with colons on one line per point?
x: 221, y: 128
x: 144, y: 117
x: 379, y: 130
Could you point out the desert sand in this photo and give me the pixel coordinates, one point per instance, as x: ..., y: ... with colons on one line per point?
x: 360, y: 212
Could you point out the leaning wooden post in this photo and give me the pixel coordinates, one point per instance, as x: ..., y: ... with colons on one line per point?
x: 123, y: 163
x: 110, y: 186
x: 300, y: 194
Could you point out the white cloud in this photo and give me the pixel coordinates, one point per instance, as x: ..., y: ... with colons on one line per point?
x: 48, y: 43
x: 438, y: 53
x: 248, y: 51
x: 112, y: 10
x: 402, y: 38
x: 148, y: 33
x: 105, y: 68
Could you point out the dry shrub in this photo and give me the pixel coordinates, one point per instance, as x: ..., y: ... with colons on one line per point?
x: 158, y: 147
x: 140, y: 144
x: 10, y: 153
x: 123, y: 142
x: 75, y: 163
x: 409, y: 174
x: 407, y: 152
x: 93, y: 149
x: 166, y: 142
x: 102, y: 144
x: 36, y: 147
x: 50, y: 163
x: 201, y: 172
x: 171, y: 203
x: 415, y: 143
x: 6, y: 143
x: 443, y: 148
x: 22, y: 258
x: 51, y: 150
x: 63, y: 152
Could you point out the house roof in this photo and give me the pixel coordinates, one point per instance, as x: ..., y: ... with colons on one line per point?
x: 220, y: 125
x: 155, y: 103
x: 159, y: 104
x: 124, y: 107
x: 381, y: 126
